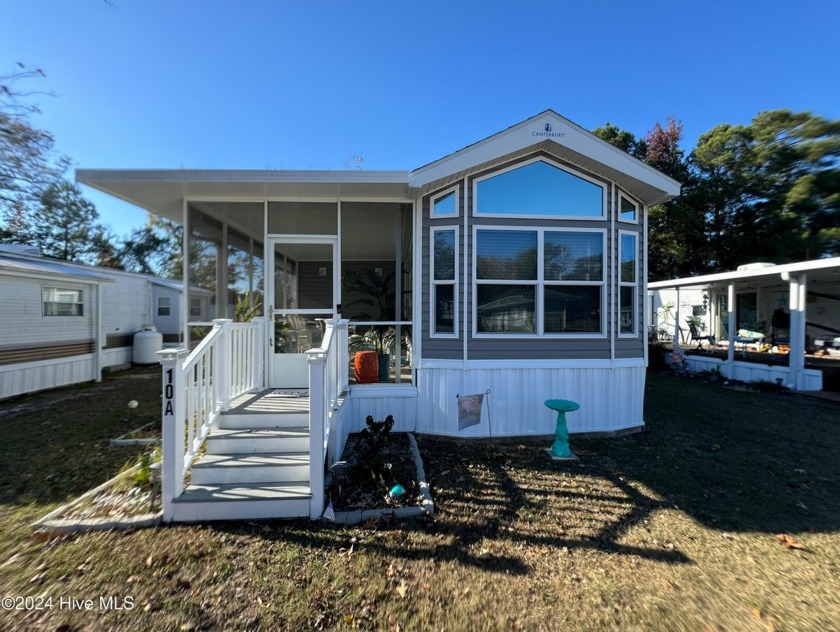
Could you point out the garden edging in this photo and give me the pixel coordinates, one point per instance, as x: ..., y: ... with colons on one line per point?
x: 426, y: 506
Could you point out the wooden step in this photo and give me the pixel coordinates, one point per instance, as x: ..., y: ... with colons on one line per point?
x: 242, y: 501
x: 244, y: 420
x: 219, y: 469
x: 258, y: 440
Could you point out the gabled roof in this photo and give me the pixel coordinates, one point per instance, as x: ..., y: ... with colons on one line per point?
x: 567, y: 140
x: 162, y: 191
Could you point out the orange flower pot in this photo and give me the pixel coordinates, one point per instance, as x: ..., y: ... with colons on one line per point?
x: 366, y: 367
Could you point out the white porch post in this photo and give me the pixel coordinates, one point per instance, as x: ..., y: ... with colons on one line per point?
x: 172, y: 436
x: 258, y: 354
x: 796, y: 355
x: 221, y: 364
x: 317, y: 414
x: 677, y: 341
x: 730, y: 329
x: 343, y: 352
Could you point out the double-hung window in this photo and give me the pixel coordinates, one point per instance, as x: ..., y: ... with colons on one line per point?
x: 58, y: 301
x: 164, y: 306
x: 628, y: 282
x: 444, y: 282
x: 539, y: 282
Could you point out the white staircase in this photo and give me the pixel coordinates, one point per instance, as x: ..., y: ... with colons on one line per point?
x: 256, y: 463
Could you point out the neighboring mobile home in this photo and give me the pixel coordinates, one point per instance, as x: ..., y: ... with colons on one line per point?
x: 790, y: 308
x: 516, y: 265
x: 65, y: 322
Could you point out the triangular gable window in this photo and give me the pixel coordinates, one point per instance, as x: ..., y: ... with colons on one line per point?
x: 539, y: 189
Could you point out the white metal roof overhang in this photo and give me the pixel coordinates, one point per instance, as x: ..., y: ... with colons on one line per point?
x: 162, y: 191
x: 816, y: 271
x: 49, y: 270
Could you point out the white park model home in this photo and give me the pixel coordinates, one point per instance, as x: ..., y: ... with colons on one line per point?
x: 516, y: 265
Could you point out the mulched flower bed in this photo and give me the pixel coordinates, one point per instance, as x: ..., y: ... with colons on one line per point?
x: 362, y: 490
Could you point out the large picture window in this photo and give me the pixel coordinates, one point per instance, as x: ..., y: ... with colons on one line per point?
x: 539, y: 189
x: 59, y: 301
x: 539, y: 282
x: 444, y: 282
x: 628, y: 284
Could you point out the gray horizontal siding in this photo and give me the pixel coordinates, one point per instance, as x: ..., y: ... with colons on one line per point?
x: 538, y: 348
x: 629, y: 348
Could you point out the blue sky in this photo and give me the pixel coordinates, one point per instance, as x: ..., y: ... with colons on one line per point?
x: 258, y: 84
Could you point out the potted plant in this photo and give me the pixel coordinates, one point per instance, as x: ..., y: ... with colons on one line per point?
x: 375, y: 300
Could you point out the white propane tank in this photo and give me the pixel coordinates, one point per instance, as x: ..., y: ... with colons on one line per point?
x: 147, y: 342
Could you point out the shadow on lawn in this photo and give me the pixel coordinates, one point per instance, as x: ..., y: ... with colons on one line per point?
x: 732, y: 460
x: 496, y: 504
x: 736, y: 460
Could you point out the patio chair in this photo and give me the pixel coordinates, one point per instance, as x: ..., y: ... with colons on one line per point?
x: 696, y: 337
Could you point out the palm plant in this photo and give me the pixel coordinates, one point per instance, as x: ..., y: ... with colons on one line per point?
x: 376, y: 301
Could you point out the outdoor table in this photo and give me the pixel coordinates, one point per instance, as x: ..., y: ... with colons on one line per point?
x: 560, y: 449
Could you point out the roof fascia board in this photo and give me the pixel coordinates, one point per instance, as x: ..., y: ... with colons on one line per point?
x: 96, y: 177
x: 54, y: 275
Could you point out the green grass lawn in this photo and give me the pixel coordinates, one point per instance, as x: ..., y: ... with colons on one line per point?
x: 670, y: 529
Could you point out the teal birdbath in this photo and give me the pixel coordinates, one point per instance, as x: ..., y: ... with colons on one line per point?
x: 560, y: 450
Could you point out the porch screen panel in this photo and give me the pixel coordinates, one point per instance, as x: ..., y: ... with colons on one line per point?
x: 205, y: 255
x: 303, y: 218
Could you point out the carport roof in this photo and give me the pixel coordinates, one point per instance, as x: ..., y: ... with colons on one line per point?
x: 823, y: 269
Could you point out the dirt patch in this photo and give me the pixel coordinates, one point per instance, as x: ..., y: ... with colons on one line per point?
x: 357, y: 487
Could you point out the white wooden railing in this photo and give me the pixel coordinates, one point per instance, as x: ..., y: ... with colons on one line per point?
x: 328, y: 381
x: 197, y: 388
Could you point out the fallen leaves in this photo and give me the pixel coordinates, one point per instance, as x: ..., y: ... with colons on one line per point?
x: 761, y: 617
x: 789, y: 542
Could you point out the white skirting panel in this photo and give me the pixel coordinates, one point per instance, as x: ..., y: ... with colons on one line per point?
x: 610, y: 399
x: 16, y: 379
x: 114, y: 357
x: 809, y: 379
x: 381, y: 401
